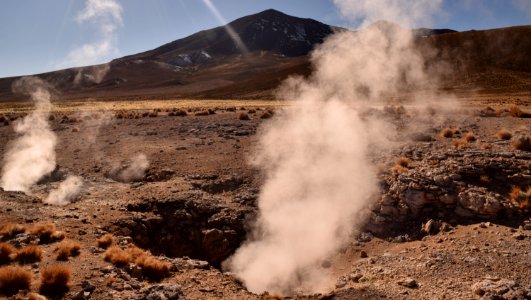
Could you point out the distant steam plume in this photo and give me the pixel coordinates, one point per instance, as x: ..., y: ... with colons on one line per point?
x: 67, y: 191
x: 319, y: 177
x: 32, y: 155
x: 134, y: 171
x: 107, y: 16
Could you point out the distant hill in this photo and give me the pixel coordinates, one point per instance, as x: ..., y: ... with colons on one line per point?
x: 270, y: 46
x: 487, y: 61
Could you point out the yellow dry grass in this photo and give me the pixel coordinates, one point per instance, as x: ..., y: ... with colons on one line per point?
x: 87, y: 105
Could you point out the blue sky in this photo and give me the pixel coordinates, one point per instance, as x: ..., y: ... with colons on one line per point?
x: 43, y: 35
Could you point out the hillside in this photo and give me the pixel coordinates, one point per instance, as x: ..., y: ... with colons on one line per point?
x: 272, y: 46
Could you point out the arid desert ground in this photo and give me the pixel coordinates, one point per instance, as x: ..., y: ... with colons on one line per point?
x: 451, y: 219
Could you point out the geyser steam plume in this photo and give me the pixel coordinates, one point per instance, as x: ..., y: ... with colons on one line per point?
x: 134, y: 171
x: 67, y: 191
x: 319, y: 177
x: 32, y: 154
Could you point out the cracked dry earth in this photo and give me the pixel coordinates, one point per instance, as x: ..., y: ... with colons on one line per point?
x: 445, y: 225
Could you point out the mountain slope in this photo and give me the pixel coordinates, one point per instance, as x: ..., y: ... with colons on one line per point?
x: 250, y: 56
x: 210, y: 59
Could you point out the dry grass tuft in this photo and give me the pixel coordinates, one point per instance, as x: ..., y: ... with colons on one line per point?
x: 152, y: 268
x: 489, y: 112
x: 504, y: 134
x: 447, y: 133
x: 58, y: 236
x: 116, y: 256
x: 35, y: 296
x: 67, y: 249
x: 402, y: 164
x: 55, y: 280
x: 6, y: 252
x: 268, y: 114
x: 243, y: 116
x: 520, y: 197
x: 10, y: 230
x: 105, y: 241
x: 29, y: 254
x: 458, y: 144
x: 13, y: 279
x: 178, y: 113
x: 202, y: 113
x: 469, y: 137
x: 516, y: 112
x: 135, y: 252
x: 47, y: 233
x: 43, y: 231
x: 523, y: 143
x: 486, y: 146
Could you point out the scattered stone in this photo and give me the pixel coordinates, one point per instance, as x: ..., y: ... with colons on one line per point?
x: 355, y: 277
x: 161, y: 292
x: 365, y: 237
x: 497, y: 288
x: 408, y: 282
x: 518, y: 236
x: 341, y: 282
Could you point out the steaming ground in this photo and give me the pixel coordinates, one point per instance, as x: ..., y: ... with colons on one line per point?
x: 200, y: 181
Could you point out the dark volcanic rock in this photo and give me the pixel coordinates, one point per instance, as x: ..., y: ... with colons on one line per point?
x: 188, y: 226
x: 457, y: 185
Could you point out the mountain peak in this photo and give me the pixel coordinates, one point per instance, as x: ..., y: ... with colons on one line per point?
x: 270, y: 30
x: 271, y: 11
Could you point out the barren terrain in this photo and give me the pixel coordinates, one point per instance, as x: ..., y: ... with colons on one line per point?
x: 446, y: 225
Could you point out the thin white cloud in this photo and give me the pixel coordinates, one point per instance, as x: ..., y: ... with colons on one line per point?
x: 107, y: 16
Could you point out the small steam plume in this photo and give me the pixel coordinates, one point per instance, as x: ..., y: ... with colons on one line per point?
x: 67, y: 191
x: 90, y: 128
x: 316, y: 157
x: 93, y: 74
x: 134, y: 171
x: 32, y: 155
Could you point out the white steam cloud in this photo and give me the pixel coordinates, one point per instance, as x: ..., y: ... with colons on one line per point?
x: 134, y: 171
x: 67, y: 191
x: 319, y: 177
x: 32, y: 155
x: 107, y: 15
